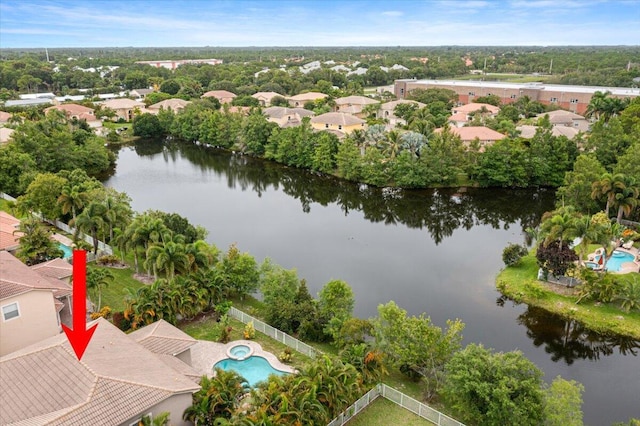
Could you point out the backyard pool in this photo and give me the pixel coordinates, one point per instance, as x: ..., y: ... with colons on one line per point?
x: 614, y: 263
x: 68, y: 253
x: 254, y: 369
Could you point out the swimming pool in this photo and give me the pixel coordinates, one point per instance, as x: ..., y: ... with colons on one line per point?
x: 614, y: 263
x: 68, y: 253
x: 255, y: 368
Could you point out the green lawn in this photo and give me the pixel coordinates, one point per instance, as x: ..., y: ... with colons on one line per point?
x: 520, y: 283
x: 383, y: 412
x: 113, y: 294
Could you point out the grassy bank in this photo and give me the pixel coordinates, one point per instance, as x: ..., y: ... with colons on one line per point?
x: 520, y: 284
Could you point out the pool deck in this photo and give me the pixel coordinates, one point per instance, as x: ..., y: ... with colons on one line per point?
x: 205, y: 354
x: 62, y: 239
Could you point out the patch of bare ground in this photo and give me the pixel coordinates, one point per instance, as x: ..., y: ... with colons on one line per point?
x: 144, y: 278
x: 560, y: 289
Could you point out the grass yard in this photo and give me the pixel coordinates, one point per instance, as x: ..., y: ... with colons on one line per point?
x: 383, y: 412
x: 113, y: 294
x: 520, y: 283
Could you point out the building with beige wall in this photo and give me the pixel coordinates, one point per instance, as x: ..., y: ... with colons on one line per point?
x: 302, y: 98
x: 124, y: 108
x: 387, y: 112
x: 571, y: 98
x: 287, y: 117
x: 223, y: 96
x: 338, y: 122
x: 354, y: 105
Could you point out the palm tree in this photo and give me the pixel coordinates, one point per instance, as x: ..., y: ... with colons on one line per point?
x: 218, y: 397
x: 161, y: 419
x: 90, y: 221
x: 71, y: 199
x: 201, y: 255
x: 607, y: 187
x: 36, y: 244
x: 392, y: 144
x: 97, y: 280
x: 597, y: 105
x: 559, y: 225
x: 626, y: 197
x: 168, y: 257
x: 629, y: 296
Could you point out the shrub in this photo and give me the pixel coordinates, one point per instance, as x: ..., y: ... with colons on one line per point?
x: 512, y: 254
x: 105, y: 312
x: 119, y: 320
x: 249, y: 331
x: 286, y: 356
x: 108, y: 260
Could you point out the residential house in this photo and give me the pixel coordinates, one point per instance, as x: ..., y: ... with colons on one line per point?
x: 79, y: 112
x: 175, y: 104
x: 341, y: 123
x: 5, y: 135
x: 287, y: 117
x: 354, y: 105
x: 30, y: 304
x: 223, y: 96
x: 387, y: 112
x: 528, y: 132
x: 265, y: 97
x: 484, y: 135
x: 117, y: 382
x: 124, y: 108
x: 462, y: 115
x: 9, y: 237
x: 562, y: 118
x: 302, y: 98
x: 140, y: 94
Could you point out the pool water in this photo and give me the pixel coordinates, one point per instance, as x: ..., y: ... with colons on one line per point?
x: 254, y: 369
x: 239, y: 351
x: 68, y: 253
x: 614, y: 263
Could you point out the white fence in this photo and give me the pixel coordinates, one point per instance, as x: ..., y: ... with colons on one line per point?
x: 274, y: 333
x: 354, y: 409
x: 106, y: 248
x: 417, y: 407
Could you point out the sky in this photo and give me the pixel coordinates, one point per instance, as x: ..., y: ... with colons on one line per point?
x: 225, y: 23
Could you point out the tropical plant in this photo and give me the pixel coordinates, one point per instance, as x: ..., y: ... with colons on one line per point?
x: 512, y: 254
x: 90, y: 221
x: 629, y: 295
x: 36, y: 245
x: 97, y: 280
x: 218, y: 397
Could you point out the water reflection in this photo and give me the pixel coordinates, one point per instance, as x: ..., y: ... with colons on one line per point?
x: 440, y: 212
x: 568, y: 340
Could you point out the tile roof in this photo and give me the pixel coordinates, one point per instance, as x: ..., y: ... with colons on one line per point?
x: 561, y: 116
x: 279, y: 112
x: 4, y: 116
x: 16, y: 278
x: 163, y: 338
x: 8, y: 224
x: 337, y: 118
x: 482, y: 133
x: 266, y: 95
x: 393, y: 104
x: 71, y: 109
x: 219, y: 94
x: 528, y: 131
x: 473, y: 107
x: 356, y: 100
x: 5, y: 134
x: 55, y: 268
x: 174, y: 104
x: 309, y: 96
x: 116, y: 380
x: 122, y: 103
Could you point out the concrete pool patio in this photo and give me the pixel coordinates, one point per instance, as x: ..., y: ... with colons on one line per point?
x: 626, y: 267
x: 205, y: 354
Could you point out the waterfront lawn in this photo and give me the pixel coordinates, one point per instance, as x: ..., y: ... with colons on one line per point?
x: 383, y: 412
x: 520, y: 284
x: 113, y: 294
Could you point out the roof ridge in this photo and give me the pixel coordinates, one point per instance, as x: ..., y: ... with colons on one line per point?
x: 170, y: 391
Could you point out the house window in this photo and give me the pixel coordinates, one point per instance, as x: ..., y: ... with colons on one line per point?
x: 513, y: 96
x: 554, y: 100
x: 326, y: 126
x: 339, y: 126
x: 472, y: 93
x: 574, y: 101
x: 401, y: 91
x: 10, y: 311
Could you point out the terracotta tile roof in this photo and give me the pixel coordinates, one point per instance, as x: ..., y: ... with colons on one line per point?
x: 55, y: 268
x: 473, y: 106
x: 482, y: 133
x: 393, y: 104
x: 8, y: 224
x: 279, y: 112
x: 309, y: 96
x: 16, y: 278
x: 116, y: 380
x: 163, y: 338
x: 267, y: 96
x: 528, y: 131
x: 122, y: 103
x: 561, y: 116
x: 4, y: 116
x: 459, y: 116
x: 181, y: 367
x: 71, y: 109
x: 337, y: 118
x: 5, y: 134
x: 219, y: 94
x: 356, y: 100
x: 174, y: 104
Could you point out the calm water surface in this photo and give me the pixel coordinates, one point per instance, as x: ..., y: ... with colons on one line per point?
x: 433, y: 251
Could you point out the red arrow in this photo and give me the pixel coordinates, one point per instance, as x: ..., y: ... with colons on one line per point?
x: 79, y: 337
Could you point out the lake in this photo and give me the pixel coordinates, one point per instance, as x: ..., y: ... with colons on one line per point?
x: 434, y: 251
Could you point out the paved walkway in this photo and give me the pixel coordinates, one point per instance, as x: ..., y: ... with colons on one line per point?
x: 205, y: 354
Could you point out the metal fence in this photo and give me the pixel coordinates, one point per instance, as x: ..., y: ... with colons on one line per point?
x: 274, y: 333
x: 355, y: 408
x: 106, y: 248
x: 417, y: 407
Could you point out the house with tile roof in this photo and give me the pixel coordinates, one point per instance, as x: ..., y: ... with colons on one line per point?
x: 354, y: 105
x: 484, y: 135
x: 463, y: 114
x: 337, y: 122
x: 300, y: 99
x: 79, y: 112
x: 528, y: 131
x: 563, y: 118
x: 265, y: 97
x: 174, y: 104
x: 223, y: 96
x: 31, y: 305
x: 5, y: 135
x: 117, y: 382
x: 124, y: 108
x: 9, y: 237
x: 5, y: 117
x: 387, y: 112
x: 287, y: 117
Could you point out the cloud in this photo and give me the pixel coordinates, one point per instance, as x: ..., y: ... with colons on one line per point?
x: 393, y: 13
